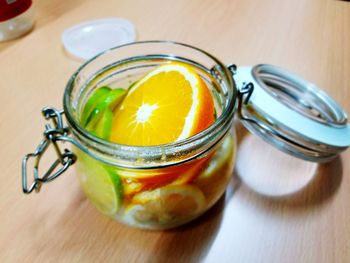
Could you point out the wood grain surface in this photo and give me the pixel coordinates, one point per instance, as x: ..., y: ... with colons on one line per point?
x: 276, y: 209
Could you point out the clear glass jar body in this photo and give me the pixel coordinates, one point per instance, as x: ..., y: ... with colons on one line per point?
x: 154, y: 187
x: 17, y: 26
x: 158, y: 198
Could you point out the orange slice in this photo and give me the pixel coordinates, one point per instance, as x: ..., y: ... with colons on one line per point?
x: 143, y: 180
x: 169, y: 104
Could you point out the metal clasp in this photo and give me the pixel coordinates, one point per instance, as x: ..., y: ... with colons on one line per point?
x: 244, y: 95
x: 53, y: 131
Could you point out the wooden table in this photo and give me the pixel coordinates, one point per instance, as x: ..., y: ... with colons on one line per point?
x: 259, y: 219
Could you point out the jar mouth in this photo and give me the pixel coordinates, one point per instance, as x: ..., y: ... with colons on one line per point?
x: 158, y: 155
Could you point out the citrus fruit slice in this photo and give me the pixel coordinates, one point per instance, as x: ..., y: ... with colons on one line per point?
x: 109, y: 100
x: 133, y: 185
x: 169, y: 104
x: 104, y: 125
x: 222, y: 155
x: 166, y: 206
x: 215, y: 177
x: 102, y: 187
x: 97, y: 96
x: 135, y: 181
x: 195, y: 168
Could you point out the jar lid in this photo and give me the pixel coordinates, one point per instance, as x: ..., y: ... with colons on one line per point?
x: 90, y: 38
x: 291, y: 113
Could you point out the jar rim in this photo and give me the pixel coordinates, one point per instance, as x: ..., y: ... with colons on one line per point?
x: 221, y: 124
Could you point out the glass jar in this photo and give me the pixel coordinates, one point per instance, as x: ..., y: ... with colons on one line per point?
x: 160, y: 187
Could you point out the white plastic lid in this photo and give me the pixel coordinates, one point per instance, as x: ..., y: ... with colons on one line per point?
x: 90, y: 38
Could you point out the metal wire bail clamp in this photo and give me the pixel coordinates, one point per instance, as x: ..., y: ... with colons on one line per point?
x: 53, y: 130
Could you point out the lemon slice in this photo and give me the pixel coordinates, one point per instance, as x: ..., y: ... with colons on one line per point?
x: 215, y: 177
x: 221, y: 156
x: 165, y: 207
x: 103, y: 188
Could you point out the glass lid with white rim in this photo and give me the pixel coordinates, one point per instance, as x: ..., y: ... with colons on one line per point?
x: 290, y: 113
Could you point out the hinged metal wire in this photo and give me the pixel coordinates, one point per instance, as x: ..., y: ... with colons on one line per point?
x: 64, y: 160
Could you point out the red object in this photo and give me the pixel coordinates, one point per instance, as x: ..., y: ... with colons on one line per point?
x: 12, y: 8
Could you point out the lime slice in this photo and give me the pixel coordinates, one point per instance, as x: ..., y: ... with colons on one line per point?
x: 104, y: 126
x: 98, y: 96
x: 103, y: 188
x: 111, y: 100
x: 167, y: 206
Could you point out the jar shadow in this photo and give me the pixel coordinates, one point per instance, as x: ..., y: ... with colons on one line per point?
x: 321, y: 188
x: 81, y: 226
x: 190, y: 242
x: 275, y: 176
